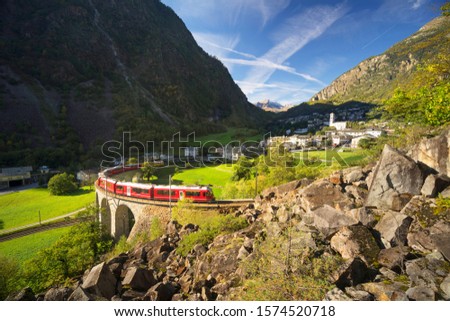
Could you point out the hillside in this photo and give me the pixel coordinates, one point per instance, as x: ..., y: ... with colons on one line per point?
x: 79, y: 72
x: 376, y: 78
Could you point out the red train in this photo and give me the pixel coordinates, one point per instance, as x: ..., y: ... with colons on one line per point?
x: 154, y: 192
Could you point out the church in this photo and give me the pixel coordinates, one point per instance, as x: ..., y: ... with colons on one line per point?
x: 340, y: 125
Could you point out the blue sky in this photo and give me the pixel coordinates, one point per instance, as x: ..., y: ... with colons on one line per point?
x: 287, y: 50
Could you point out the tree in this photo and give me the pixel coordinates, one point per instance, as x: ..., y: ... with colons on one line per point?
x: 242, y: 169
x: 446, y: 9
x: 147, y: 170
x: 62, y: 184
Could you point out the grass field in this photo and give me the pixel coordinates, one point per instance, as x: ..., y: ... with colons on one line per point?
x: 345, y: 158
x: 24, y: 248
x: 22, y: 208
x: 232, y: 134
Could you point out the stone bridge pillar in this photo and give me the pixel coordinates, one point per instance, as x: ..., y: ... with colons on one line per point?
x: 125, y: 218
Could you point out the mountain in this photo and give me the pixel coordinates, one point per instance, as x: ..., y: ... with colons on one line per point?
x: 272, y: 106
x: 76, y: 73
x: 376, y: 78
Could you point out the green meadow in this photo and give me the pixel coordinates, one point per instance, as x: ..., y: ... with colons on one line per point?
x: 22, y: 208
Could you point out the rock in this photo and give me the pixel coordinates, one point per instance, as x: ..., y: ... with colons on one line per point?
x: 350, y: 273
x: 322, y: 193
x: 353, y: 175
x: 58, y: 294
x: 100, y: 281
x: 427, y: 272
x: 434, y: 152
x: 357, y: 193
x: 283, y: 189
x: 328, y: 220
x: 26, y: 294
x: 363, y: 215
x: 434, y: 184
x: 446, y: 192
x: 336, y: 295
x: 420, y: 241
x: 248, y: 244
x: 243, y: 253
x: 442, y: 243
x: 445, y: 287
x: 132, y: 295
x: 420, y: 293
x: 355, y: 241
x: 336, y: 178
x: 80, y: 295
x: 173, y: 227
x: 385, y: 292
x: 393, y: 258
x: 161, y: 292
x: 396, y: 179
x: 283, y: 214
x: 138, y: 279
x: 178, y: 297
x: 358, y: 295
x: 388, y: 274
x: 393, y: 228
x: 221, y: 288
x: 199, y: 250
x: 207, y: 295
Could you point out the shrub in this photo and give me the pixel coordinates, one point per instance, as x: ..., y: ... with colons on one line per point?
x: 69, y: 257
x: 8, y: 276
x: 62, y: 184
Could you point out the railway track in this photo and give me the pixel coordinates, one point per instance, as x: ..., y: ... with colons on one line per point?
x: 37, y: 229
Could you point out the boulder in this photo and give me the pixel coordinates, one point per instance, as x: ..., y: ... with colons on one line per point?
x: 445, y: 287
x: 420, y: 293
x: 336, y: 294
x: 283, y: 189
x: 132, y: 295
x: 442, y: 243
x: 80, y: 295
x: 173, y: 227
x: 26, y: 294
x: 355, y: 241
x: 100, y: 281
x: 384, y: 291
x: 428, y: 272
x: 434, y: 152
x: 393, y: 228
x: 396, y: 179
x: 58, y: 294
x: 358, y: 295
x: 353, y: 175
x: 393, y: 258
x: 363, y: 215
x: 161, y: 291
x: 138, y: 279
x: 434, y: 184
x: 322, y: 193
x: 327, y: 220
x: 350, y: 273
x: 446, y: 192
x: 359, y: 194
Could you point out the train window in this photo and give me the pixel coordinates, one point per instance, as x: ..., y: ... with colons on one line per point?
x: 119, y: 188
x: 164, y: 192
x: 208, y: 194
x: 140, y: 190
x: 188, y: 193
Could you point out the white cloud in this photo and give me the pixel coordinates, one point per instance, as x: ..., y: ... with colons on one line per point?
x: 297, y: 32
x: 281, y: 92
x: 416, y: 4
x: 228, y: 11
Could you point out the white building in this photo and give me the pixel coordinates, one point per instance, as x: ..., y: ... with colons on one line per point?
x: 340, y: 125
x: 191, y: 151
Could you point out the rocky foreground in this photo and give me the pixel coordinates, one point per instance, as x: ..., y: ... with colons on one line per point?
x: 384, y: 222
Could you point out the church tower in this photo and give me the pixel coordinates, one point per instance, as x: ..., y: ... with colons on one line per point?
x: 331, y: 119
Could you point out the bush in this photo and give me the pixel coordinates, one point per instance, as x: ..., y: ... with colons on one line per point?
x: 8, y: 277
x: 62, y: 184
x: 69, y: 257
